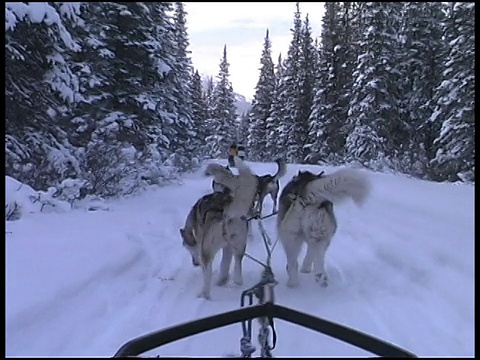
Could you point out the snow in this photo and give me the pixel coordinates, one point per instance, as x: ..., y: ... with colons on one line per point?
x: 82, y: 283
x: 21, y: 195
x: 38, y: 12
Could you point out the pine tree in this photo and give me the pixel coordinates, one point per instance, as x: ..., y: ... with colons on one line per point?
x: 211, y: 126
x: 297, y: 90
x: 306, y: 80
x: 184, y: 149
x: 322, y: 119
x: 39, y: 88
x: 242, y: 133
x: 224, y: 111
x: 376, y: 131
x: 199, y: 115
x: 129, y: 124
x: 276, y: 124
x: 333, y: 83
x: 261, y: 105
x: 423, y: 52
x: 292, y: 92
x: 455, y: 99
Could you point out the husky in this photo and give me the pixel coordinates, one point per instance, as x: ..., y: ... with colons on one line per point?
x: 306, y: 214
x: 269, y: 184
x: 219, y: 221
x: 216, y: 186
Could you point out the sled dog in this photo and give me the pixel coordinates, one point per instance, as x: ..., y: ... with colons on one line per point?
x: 219, y: 221
x: 269, y: 184
x: 306, y: 214
x: 216, y: 186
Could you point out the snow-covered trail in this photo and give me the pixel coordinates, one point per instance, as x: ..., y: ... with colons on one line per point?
x: 399, y: 263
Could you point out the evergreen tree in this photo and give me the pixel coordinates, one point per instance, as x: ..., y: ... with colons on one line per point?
x: 376, y: 130
x: 224, y: 111
x: 306, y: 80
x: 184, y: 149
x: 242, y: 133
x: 211, y: 123
x: 276, y: 124
x: 298, y: 87
x: 455, y: 98
x: 135, y: 117
x: 199, y: 115
x: 322, y: 119
x: 423, y: 51
x: 208, y: 85
x: 39, y: 88
x: 261, y: 105
x: 292, y: 92
x: 333, y: 85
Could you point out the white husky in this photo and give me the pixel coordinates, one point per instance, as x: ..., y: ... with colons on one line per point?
x: 306, y: 215
x: 219, y: 221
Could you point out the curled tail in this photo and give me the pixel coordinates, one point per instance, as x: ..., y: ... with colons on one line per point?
x: 340, y: 185
x: 242, y: 184
x: 281, y: 169
x: 220, y: 174
x: 241, y: 166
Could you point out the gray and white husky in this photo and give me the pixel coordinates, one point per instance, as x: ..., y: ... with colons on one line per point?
x: 306, y: 214
x: 269, y: 184
x: 219, y: 221
x: 216, y: 186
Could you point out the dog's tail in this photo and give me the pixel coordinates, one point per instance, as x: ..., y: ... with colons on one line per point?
x: 244, y: 183
x: 220, y: 174
x: 241, y: 166
x: 281, y: 169
x: 340, y: 185
x: 247, y: 183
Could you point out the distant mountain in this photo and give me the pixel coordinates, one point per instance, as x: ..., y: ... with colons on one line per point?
x: 241, y: 103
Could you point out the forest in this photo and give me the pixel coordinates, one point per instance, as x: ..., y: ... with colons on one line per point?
x: 103, y: 96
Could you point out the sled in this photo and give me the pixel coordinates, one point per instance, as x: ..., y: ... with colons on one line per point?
x: 266, y: 312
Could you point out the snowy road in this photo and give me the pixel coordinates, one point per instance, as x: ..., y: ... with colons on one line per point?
x: 401, y: 268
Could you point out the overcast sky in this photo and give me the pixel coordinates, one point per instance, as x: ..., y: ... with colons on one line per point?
x: 242, y: 27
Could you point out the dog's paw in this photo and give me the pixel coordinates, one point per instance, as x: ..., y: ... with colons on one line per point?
x: 321, y: 279
x: 291, y: 283
x: 306, y: 268
x: 222, y: 281
x: 204, y: 295
x: 238, y: 280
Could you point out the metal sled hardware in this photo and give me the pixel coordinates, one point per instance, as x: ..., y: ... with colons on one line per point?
x: 147, y: 342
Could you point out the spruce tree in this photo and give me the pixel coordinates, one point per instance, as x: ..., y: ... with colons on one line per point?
x: 455, y: 99
x: 423, y: 52
x: 336, y: 63
x: 306, y: 80
x: 199, y: 115
x: 184, y: 148
x: 261, y: 105
x: 223, y: 111
x: 40, y: 86
x: 377, y: 133
x: 276, y: 123
x: 292, y: 92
